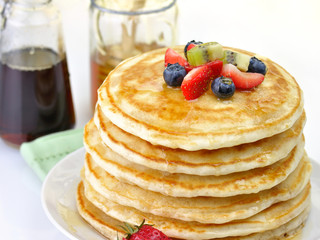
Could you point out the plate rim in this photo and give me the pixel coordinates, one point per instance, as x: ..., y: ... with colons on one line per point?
x: 43, y: 191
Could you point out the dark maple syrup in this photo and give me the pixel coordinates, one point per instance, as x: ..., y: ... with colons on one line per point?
x: 35, y: 95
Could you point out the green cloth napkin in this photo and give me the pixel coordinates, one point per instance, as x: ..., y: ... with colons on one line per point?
x: 44, y: 152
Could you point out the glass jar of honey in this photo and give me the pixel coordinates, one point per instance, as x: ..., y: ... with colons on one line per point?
x: 121, y: 29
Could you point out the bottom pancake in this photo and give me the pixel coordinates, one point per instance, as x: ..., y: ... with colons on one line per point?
x: 110, y: 227
x: 266, y: 220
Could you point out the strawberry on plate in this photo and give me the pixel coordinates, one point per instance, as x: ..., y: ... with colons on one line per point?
x: 195, y: 83
x: 171, y: 56
x: 143, y: 232
x: 244, y: 80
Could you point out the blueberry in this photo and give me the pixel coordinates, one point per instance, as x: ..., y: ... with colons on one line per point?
x: 257, y: 66
x: 223, y: 87
x: 173, y: 74
x: 187, y: 45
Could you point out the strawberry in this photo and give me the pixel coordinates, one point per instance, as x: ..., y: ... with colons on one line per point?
x: 143, y: 232
x: 244, y: 80
x: 195, y: 83
x: 172, y: 57
x: 188, y: 67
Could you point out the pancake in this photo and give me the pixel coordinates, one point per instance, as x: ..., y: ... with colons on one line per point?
x: 140, y: 103
x: 111, y: 229
x: 184, y: 185
x: 208, y: 168
x: 202, y: 162
x: 200, y: 209
x: 270, y: 218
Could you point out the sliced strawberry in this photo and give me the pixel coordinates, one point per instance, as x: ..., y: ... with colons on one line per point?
x: 195, y: 83
x: 173, y: 57
x: 216, y: 67
x: 244, y: 80
x: 188, y: 67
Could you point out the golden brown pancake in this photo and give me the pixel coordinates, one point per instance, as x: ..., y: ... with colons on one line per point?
x: 111, y: 229
x: 200, y: 209
x: 136, y: 99
x: 202, y: 169
x: 271, y: 218
x: 186, y: 185
x: 202, y: 162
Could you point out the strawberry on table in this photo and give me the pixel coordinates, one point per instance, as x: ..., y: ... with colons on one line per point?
x: 195, y: 83
x: 244, y: 80
x: 172, y: 57
x: 143, y: 232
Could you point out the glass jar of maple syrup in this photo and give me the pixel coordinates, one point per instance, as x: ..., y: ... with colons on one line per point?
x: 35, y: 93
x: 122, y: 29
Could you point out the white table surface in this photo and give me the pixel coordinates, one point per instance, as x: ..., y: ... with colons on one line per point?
x: 286, y: 31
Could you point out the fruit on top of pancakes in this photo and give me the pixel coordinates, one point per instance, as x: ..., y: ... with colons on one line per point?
x: 195, y: 83
x: 190, y: 45
x: 244, y: 62
x: 173, y: 74
x: 203, y: 53
x: 143, y: 232
x: 243, y: 80
x: 244, y: 71
x: 257, y: 66
x: 223, y: 87
x: 173, y: 57
x: 240, y: 60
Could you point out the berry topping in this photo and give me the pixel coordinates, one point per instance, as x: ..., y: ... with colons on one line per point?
x: 190, y: 45
x: 257, y: 66
x: 203, y: 53
x: 195, y: 83
x: 189, y: 68
x: 172, y: 57
x: 143, y: 232
x: 223, y: 87
x: 244, y: 80
x: 173, y: 74
x: 244, y: 62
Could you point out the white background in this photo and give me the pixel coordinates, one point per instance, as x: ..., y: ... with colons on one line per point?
x: 286, y: 31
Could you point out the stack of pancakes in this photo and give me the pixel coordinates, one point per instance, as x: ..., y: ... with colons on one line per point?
x: 202, y: 169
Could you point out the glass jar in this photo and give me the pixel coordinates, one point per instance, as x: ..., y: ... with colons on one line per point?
x: 122, y: 29
x: 35, y: 93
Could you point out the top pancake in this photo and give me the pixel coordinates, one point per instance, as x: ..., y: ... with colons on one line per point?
x: 136, y: 99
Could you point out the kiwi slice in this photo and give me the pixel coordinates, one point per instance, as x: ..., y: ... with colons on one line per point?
x: 204, y: 53
x: 240, y: 60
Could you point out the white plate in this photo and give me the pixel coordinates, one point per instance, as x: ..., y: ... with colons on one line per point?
x: 59, y: 198
x: 59, y: 203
